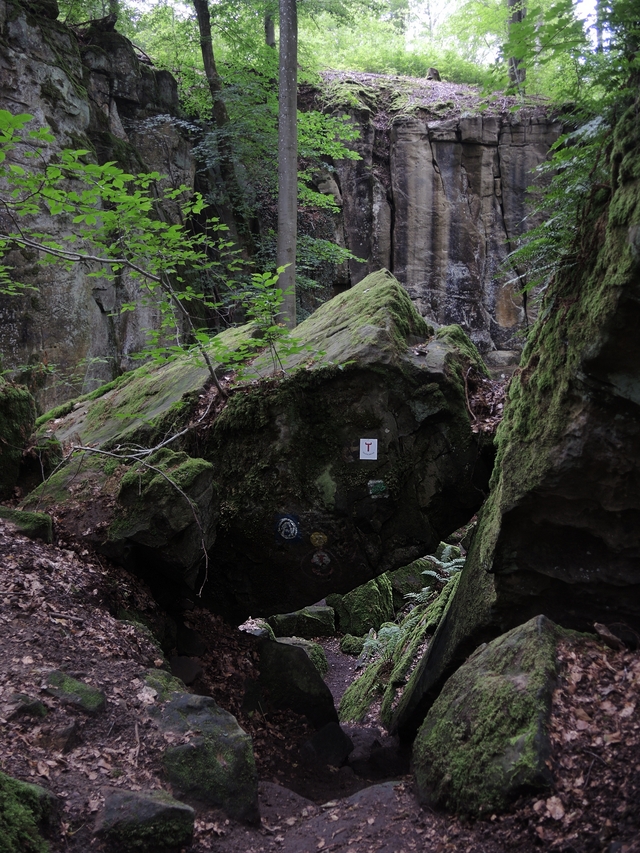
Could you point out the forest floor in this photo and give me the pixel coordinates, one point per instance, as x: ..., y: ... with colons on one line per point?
x: 58, y: 612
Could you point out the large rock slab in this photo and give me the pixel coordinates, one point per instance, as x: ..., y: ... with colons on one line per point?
x: 365, y: 607
x: 485, y: 740
x: 146, y: 822
x: 292, y: 681
x: 560, y: 533
x: 216, y: 764
x: 304, y: 509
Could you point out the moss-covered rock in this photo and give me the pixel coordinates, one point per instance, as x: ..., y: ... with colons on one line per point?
x: 290, y: 680
x: 316, y: 620
x: 216, y: 766
x: 25, y: 811
x: 35, y: 525
x: 145, y: 822
x: 167, y: 509
x: 165, y: 684
x: 73, y: 692
x: 350, y: 645
x: 315, y: 652
x: 365, y: 607
x: 17, y: 419
x: 484, y: 740
x: 303, y: 511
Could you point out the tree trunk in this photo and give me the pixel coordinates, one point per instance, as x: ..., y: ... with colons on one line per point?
x: 269, y: 30
x: 288, y: 158
x: 233, y: 218
x: 517, y: 71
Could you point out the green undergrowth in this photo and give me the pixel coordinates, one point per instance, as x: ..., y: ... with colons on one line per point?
x: 390, y: 655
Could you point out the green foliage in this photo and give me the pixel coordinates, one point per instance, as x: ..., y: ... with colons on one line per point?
x: 576, y: 181
x: 120, y: 223
x: 21, y: 809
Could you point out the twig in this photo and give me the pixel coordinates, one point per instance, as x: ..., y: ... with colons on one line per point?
x: 64, y: 616
x: 136, y: 751
x: 466, y: 393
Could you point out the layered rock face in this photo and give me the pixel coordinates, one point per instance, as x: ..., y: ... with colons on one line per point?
x: 441, y: 205
x: 359, y: 461
x: 92, y: 93
x: 560, y: 533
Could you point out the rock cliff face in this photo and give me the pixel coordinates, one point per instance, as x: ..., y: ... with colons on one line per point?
x: 93, y: 92
x: 438, y: 198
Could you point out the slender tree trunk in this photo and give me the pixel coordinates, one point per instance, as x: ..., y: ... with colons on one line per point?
x: 235, y: 221
x: 288, y: 158
x: 269, y: 30
x: 517, y: 71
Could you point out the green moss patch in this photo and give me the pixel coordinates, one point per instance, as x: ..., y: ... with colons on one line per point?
x: 35, y: 525
x: 73, y: 692
x: 24, y: 808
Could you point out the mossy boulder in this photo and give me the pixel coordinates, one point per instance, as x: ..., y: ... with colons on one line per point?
x: 315, y: 652
x: 560, y: 531
x: 350, y: 645
x: 145, y: 822
x: 317, y: 620
x: 484, y: 740
x: 357, y: 459
x: 365, y: 607
x: 216, y: 765
x: 17, y: 420
x: 405, y: 580
x: 290, y: 680
x: 35, y: 525
x: 166, y: 514
x: 26, y: 811
x: 71, y: 691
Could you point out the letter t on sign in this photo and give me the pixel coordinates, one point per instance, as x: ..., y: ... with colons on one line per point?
x: 368, y: 448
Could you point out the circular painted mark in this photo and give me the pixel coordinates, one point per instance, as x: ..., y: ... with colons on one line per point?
x: 320, y: 563
x: 287, y: 528
x: 318, y: 539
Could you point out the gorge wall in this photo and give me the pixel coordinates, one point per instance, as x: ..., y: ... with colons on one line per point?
x: 437, y: 197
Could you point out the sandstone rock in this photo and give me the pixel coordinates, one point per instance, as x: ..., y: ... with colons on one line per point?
x: 149, y: 822
x: 317, y: 620
x: 21, y: 704
x: 166, y: 515
x: 292, y: 681
x: 365, y: 607
x: 95, y: 96
x: 314, y: 651
x: 455, y: 196
x: 73, y: 692
x: 17, y: 418
x: 304, y: 514
x: 560, y: 532
x: 329, y: 745
x: 216, y: 766
x: 484, y: 740
x: 35, y: 525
